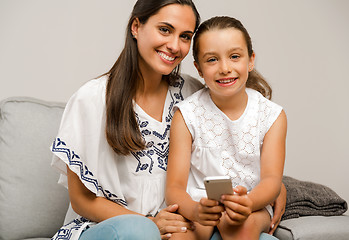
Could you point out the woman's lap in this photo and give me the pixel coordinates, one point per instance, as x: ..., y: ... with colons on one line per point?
x: 122, y: 228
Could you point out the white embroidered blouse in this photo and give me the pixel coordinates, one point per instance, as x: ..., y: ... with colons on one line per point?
x: 225, y: 147
x: 135, y: 181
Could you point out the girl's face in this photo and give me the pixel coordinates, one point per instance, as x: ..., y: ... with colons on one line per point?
x: 223, y: 61
x: 164, y: 40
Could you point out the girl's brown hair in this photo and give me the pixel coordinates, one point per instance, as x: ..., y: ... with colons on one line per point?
x: 122, y: 131
x: 255, y: 79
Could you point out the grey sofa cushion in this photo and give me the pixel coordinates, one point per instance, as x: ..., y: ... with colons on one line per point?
x: 32, y: 204
x: 314, y: 228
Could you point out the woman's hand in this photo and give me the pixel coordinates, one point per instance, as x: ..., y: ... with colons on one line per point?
x: 208, y: 212
x: 237, y: 206
x: 279, y: 209
x: 168, y: 222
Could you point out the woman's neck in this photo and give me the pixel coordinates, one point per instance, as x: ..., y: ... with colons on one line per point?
x: 151, y: 95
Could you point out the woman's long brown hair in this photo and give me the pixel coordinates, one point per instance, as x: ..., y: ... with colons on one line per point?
x: 122, y: 130
x: 255, y: 80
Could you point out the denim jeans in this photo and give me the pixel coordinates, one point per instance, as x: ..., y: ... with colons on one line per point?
x: 126, y: 227
x: 263, y: 236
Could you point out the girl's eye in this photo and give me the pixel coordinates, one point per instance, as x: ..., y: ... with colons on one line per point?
x: 234, y: 57
x: 211, y: 60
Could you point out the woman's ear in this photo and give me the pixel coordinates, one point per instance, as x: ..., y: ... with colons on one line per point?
x: 197, y: 66
x: 134, y: 27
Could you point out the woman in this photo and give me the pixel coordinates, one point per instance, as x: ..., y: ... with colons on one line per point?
x: 112, y: 145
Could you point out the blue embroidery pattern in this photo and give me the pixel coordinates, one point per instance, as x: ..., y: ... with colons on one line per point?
x: 161, y: 149
x: 85, y: 174
x: 67, y: 230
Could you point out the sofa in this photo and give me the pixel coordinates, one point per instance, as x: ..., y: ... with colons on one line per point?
x: 33, y: 205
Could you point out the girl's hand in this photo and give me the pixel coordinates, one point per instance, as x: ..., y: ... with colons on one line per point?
x: 279, y: 209
x: 168, y: 222
x: 208, y: 212
x: 238, y: 206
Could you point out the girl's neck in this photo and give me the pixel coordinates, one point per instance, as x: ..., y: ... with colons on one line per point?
x: 233, y: 106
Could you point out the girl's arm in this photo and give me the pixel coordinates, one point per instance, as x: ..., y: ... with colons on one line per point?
x: 240, y: 205
x: 207, y: 212
x: 178, y: 167
x: 272, y: 165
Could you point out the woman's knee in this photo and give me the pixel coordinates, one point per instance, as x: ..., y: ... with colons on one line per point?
x: 122, y: 228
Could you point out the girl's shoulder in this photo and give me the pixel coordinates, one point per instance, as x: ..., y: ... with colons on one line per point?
x: 197, y: 98
x: 258, y: 99
x: 190, y: 85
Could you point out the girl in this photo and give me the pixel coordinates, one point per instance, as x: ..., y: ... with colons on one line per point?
x: 229, y: 128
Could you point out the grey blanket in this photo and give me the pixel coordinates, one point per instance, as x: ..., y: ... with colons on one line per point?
x: 311, y: 199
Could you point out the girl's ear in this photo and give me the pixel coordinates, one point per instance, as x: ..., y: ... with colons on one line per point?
x: 197, y: 66
x: 134, y: 27
x: 251, y: 62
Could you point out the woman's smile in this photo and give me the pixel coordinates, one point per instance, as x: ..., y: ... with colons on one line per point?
x: 166, y: 57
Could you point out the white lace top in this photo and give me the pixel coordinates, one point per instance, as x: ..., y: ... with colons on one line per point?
x: 225, y: 147
x: 135, y: 181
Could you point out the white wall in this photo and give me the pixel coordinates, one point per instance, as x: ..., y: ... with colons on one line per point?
x: 49, y: 48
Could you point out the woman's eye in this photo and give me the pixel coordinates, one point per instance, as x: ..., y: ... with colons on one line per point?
x: 186, y: 37
x: 164, y: 30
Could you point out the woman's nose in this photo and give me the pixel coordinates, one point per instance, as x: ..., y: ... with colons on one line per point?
x: 173, y: 44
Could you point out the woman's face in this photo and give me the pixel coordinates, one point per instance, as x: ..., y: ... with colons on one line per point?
x: 164, y: 40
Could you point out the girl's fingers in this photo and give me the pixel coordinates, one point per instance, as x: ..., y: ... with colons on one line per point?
x: 234, y: 218
x: 240, y: 190
x: 208, y: 202
x: 238, y: 208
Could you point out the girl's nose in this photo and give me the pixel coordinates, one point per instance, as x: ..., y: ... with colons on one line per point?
x: 225, y: 67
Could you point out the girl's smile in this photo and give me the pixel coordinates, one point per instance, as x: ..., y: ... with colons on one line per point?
x: 224, y: 63
x: 226, y: 82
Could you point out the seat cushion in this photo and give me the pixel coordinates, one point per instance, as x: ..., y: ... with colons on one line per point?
x: 314, y: 228
x: 32, y: 204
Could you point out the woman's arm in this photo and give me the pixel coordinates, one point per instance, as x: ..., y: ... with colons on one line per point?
x: 279, y: 209
x: 87, y: 204
x: 97, y: 209
x: 272, y: 165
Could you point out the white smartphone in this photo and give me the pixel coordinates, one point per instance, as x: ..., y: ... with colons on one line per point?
x: 216, y: 186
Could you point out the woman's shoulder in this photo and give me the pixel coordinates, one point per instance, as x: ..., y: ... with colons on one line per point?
x: 190, y: 86
x: 93, y: 90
